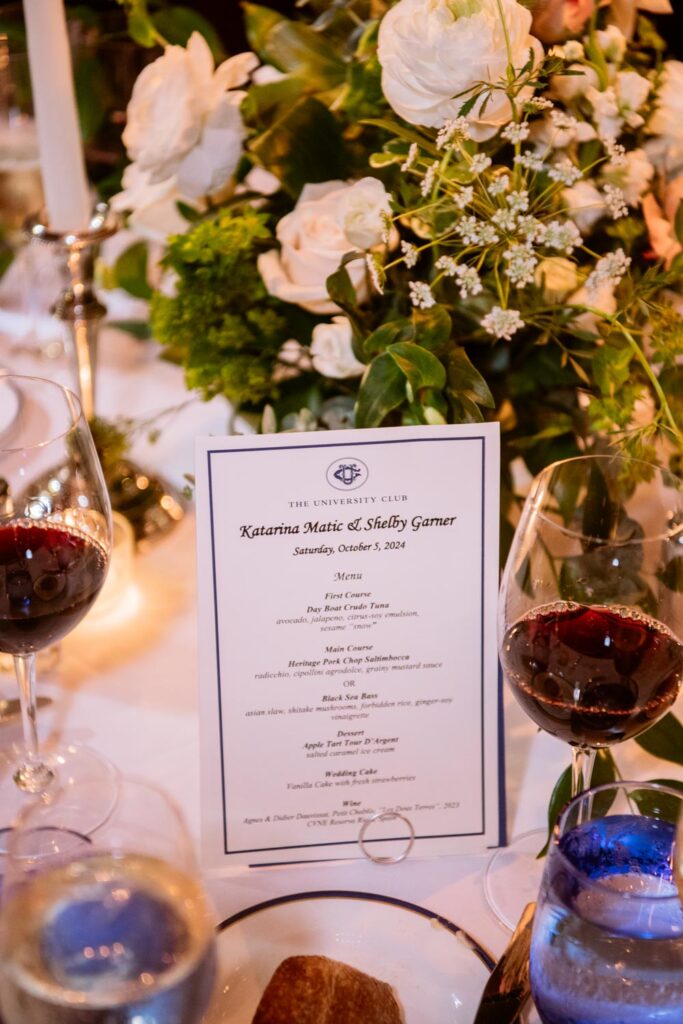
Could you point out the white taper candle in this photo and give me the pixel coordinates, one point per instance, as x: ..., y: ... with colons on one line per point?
x: 67, y: 195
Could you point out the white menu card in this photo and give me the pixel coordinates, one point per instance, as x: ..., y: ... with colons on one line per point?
x: 347, y: 632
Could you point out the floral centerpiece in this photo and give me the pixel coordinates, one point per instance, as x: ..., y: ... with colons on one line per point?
x: 422, y: 212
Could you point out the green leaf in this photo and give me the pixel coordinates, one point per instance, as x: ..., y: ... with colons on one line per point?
x: 130, y: 271
x: 465, y: 380
x: 378, y: 160
x: 385, y: 335
x: 176, y: 25
x: 140, y: 26
x: 611, y: 368
x: 420, y: 367
x: 561, y: 795
x: 340, y: 289
x: 400, y: 130
x: 382, y: 389
x: 294, y: 46
x: 664, y: 739
x: 190, y: 213
x: 672, y: 574
x: 305, y: 145
x: 432, y: 328
x: 659, y: 805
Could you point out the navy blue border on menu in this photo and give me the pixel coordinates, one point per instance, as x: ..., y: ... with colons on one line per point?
x: 348, y: 445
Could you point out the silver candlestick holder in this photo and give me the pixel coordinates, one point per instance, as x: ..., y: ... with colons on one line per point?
x: 151, y: 504
x: 78, y: 307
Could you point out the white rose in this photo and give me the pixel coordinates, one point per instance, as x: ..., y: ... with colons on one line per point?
x: 557, y: 277
x: 332, y: 351
x: 586, y: 205
x: 632, y: 90
x: 667, y: 120
x: 433, y: 51
x: 365, y: 210
x: 313, y: 241
x: 182, y: 119
x: 154, y: 206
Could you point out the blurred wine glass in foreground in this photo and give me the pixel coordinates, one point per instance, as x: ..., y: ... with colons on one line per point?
x: 591, y: 609
x: 118, y: 931
x: 55, y: 541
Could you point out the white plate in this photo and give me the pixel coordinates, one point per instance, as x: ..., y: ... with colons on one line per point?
x: 9, y: 405
x: 437, y: 970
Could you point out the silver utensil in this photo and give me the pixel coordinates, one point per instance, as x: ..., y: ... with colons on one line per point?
x: 508, y: 988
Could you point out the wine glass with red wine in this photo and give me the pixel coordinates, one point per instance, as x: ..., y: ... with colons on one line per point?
x: 591, y: 609
x: 55, y: 541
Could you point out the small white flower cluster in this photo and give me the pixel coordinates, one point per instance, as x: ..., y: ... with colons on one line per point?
x: 502, y: 323
x: 480, y: 163
x: 539, y: 103
x: 375, y: 270
x: 518, y: 201
x: 521, y: 264
x: 615, y: 201
x: 530, y: 161
x: 428, y: 180
x: 410, y: 254
x: 566, y: 172
x: 463, y: 197
x: 506, y: 220
x: 499, y: 185
x: 421, y: 295
x: 608, y: 272
x: 410, y: 158
x: 562, y: 235
x: 516, y: 132
x: 467, y: 277
x: 458, y: 128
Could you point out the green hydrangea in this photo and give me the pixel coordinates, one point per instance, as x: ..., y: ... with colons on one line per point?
x: 221, y: 325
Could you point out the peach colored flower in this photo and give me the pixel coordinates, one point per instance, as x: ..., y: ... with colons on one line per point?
x: 555, y: 20
x: 660, y: 221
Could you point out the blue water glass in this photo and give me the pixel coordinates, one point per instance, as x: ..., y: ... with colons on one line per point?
x: 607, y: 943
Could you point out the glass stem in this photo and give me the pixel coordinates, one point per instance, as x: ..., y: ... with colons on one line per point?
x: 583, y: 759
x: 32, y: 775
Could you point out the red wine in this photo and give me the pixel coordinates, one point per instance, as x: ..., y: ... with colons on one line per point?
x: 592, y: 675
x: 49, y: 578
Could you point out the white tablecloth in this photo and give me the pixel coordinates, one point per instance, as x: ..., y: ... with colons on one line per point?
x: 130, y: 690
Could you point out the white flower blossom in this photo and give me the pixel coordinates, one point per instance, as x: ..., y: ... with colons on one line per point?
x: 615, y: 201
x: 562, y: 235
x: 410, y: 158
x: 616, y: 151
x: 539, y: 103
x: 428, y: 180
x: 529, y: 227
x: 632, y: 174
x: 521, y: 264
x: 480, y: 163
x: 332, y: 350
x: 457, y: 127
x: 506, y: 220
x: 499, y: 185
x: 502, y: 323
x: 469, y: 281
x: 448, y: 265
x: 518, y: 201
x: 666, y: 124
x: 487, y: 234
x: 433, y: 53
x: 612, y: 42
x: 608, y: 271
x: 573, y: 50
x: 530, y: 160
x: 410, y: 254
x: 464, y: 197
x: 566, y: 172
x: 516, y: 132
x: 364, y: 212
x: 421, y: 295
x: 557, y: 277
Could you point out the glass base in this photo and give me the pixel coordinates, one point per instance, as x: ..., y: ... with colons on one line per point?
x: 513, y: 877
x: 67, y: 764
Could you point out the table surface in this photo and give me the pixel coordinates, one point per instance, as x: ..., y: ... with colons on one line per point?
x: 129, y: 688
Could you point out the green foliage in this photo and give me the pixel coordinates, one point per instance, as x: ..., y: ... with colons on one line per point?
x: 221, y: 324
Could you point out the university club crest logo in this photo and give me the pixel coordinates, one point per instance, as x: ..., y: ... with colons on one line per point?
x: 347, y: 474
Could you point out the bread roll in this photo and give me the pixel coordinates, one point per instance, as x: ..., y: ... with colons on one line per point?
x: 317, y: 990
